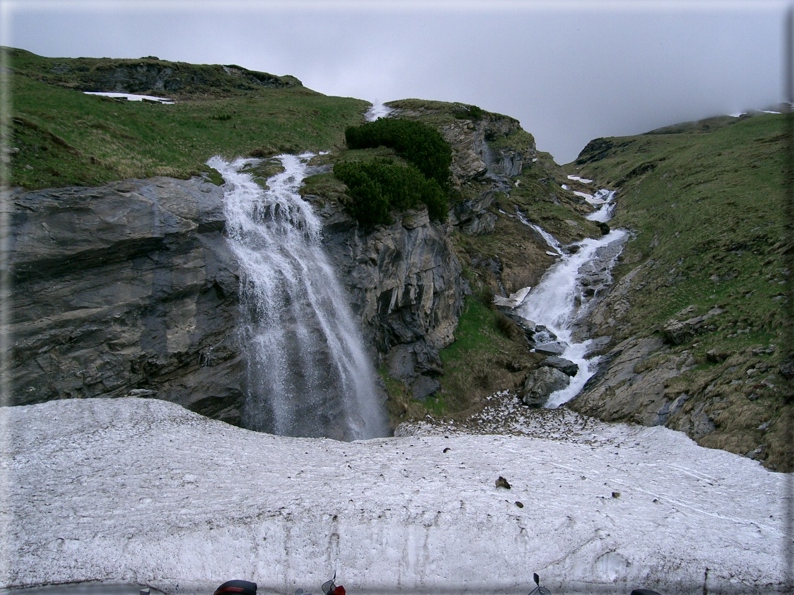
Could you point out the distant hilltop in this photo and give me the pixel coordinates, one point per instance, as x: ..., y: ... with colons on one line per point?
x: 146, y: 76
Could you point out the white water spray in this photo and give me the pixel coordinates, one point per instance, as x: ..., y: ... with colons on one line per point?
x: 376, y: 111
x: 561, y: 298
x: 308, y: 373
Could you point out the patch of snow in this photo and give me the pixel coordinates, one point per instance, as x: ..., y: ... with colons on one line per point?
x: 142, y: 491
x: 565, y: 187
x: 584, y: 195
x: 582, y: 180
x: 515, y: 299
x: 737, y: 115
x: 132, y: 97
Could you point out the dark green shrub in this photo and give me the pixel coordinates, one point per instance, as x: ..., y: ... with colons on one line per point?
x: 470, y: 112
x: 415, y: 142
x: 377, y: 187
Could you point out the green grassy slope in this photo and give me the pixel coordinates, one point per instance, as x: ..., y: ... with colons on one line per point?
x: 707, y: 209
x: 706, y: 203
x: 59, y: 136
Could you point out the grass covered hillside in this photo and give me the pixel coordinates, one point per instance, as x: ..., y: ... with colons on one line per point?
x: 705, y: 273
x: 58, y: 136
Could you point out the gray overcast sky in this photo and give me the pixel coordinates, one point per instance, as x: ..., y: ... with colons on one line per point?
x: 570, y: 71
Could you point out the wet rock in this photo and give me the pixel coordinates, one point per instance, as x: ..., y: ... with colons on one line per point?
x: 405, y: 285
x: 625, y: 389
x: 553, y: 348
x: 563, y: 365
x: 540, y: 383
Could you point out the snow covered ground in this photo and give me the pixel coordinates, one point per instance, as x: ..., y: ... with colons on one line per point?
x: 142, y: 491
x: 132, y: 97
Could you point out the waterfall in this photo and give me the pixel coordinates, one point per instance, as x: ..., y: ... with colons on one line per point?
x: 377, y: 110
x: 561, y: 297
x: 308, y: 371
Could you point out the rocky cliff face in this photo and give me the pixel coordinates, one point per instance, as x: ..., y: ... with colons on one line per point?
x: 125, y: 290
x: 130, y: 289
x: 405, y: 284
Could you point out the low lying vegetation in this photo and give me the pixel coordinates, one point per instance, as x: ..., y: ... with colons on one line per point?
x: 380, y: 186
x: 416, y: 142
x: 61, y: 137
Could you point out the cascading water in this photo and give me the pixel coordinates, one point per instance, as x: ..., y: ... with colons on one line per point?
x: 377, y: 110
x: 562, y: 296
x: 308, y: 372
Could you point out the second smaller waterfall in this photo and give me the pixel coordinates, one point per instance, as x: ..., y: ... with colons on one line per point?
x: 561, y: 298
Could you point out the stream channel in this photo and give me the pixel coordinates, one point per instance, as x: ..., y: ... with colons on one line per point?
x: 554, y: 309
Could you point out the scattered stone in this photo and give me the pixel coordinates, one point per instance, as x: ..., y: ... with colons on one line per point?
x: 501, y: 482
x: 519, y: 504
x: 768, y: 350
x: 787, y: 369
x: 142, y: 393
x: 447, y: 449
x: 616, y: 494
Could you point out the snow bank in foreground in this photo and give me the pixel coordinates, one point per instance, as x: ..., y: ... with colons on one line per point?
x: 143, y: 491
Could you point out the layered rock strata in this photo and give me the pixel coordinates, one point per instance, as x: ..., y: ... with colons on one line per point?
x: 123, y: 290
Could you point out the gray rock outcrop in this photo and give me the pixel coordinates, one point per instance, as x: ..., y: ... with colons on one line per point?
x: 122, y: 290
x: 130, y: 289
x: 540, y: 383
x: 405, y: 284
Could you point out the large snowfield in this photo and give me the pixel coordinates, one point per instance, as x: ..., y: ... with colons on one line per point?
x: 144, y: 492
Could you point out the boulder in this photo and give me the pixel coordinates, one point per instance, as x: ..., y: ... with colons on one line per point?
x: 552, y: 348
x: 540, y: 383
x: 560, y: 363
x: 678, y: 332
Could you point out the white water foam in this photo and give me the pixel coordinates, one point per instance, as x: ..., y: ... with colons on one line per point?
x: 377, y: 110
x: 606, y: 209
x: 308, y: 372
x: 550, y: 240
x: 560, y: 299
